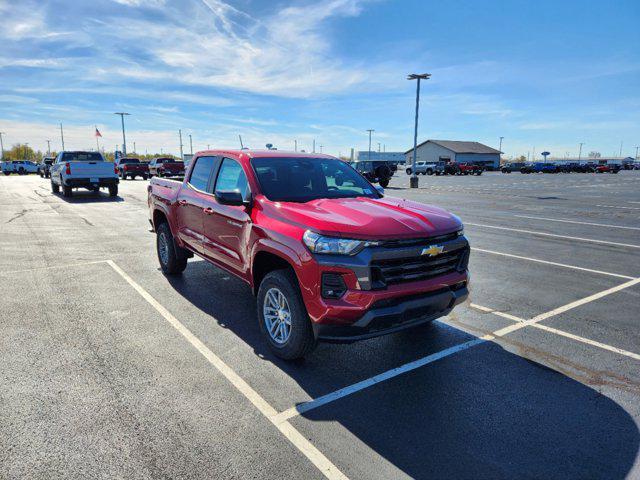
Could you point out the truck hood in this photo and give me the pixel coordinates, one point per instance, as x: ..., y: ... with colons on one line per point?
x: 368, y: 218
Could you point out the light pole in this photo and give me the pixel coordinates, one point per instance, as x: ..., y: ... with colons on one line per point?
x: 321, y: 148
x: 62, y: 136
x: 190, y: 144
x: 378, y: 147
x: 369, y: 154
x: 2, y: 147
x: 580, y: 151
x: 181, y: 153
x: 418, y: 77
x: 295, y: 145
x: 500, y: 147
x: 314, y: 145
x: 636, y: 157
x: 124, y: 138
x: 134, y: 147
x: 620, y: 148
x: 48, y: 147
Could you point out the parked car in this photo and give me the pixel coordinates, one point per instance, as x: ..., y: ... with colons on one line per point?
x: 21, y: 167
x: 375, y: 172
x: 129, y: 167
x: 446, y: 168
x: 512, y: 167
x: 539, y: 167
x: 469, y: 169
x: 328, y: 261
x: 166, y: 167
x: 79, y: 169
x: 423, y: 168
x: 44, y: 167
x: 607, y: 169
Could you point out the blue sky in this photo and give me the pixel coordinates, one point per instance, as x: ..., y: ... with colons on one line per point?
x: 543, y: 74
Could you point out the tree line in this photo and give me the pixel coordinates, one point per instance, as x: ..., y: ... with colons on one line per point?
x: 22, y: 151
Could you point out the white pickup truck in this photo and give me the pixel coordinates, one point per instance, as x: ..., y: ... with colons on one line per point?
x: 423, y: 168
x: 83, y: 170
x: 21, y: 167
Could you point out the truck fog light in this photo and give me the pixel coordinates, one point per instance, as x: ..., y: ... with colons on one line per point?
x: 333, y: 285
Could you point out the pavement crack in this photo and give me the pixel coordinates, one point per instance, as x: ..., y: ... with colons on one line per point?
x: 18, y: 215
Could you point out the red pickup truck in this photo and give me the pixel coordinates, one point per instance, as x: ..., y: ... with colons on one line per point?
x: 129, y: 167
x: 329, y: 257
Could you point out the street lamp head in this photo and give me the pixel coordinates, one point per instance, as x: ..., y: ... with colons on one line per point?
x: 122, y: 113
x: 415, y: 76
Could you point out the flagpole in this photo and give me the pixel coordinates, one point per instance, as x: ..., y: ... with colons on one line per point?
x: 96, y: 134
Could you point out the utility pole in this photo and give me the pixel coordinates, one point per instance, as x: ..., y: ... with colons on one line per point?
x: 500, y: 147
x: 636, y: 157
x: 190, y: 144
x: 62, y: 136
x: 241, y: 145
x: 369, y: 152
x: 378, y: 147
x: 134, y: 147
x: 124, y: 138
x: 314, y: 145
x: 321, y: 148
x: 580, y: 151
x: 418, y: 77
x: 295, y: 145
x: 2, y: 147
x: 620, y: 148
x: 48, y: 146
x: 181, y: 153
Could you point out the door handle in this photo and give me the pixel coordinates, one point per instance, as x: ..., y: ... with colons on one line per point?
x: 208, y: 211
x: 182, y: 202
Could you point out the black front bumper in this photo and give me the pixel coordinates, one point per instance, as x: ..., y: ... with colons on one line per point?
x: 393, y: 315
x: 87, y: 183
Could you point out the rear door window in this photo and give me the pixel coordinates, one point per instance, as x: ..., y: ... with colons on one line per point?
x: 201, y: 173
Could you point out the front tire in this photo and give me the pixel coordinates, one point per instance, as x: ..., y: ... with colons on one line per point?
x: 173, y: 259
x: 54, y: 188
x: 384, y: 183
x: 283, y: 318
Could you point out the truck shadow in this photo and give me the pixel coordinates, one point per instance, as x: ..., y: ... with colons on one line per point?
x: 481, y: 413
x: 86, y: 196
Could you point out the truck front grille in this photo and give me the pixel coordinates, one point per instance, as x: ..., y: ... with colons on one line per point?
x: 412, y: 269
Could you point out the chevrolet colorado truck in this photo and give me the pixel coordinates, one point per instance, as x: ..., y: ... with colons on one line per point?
x: 166, y: 167
x: 129, y: 167
x: 81, y: 169
x: 329, y: 257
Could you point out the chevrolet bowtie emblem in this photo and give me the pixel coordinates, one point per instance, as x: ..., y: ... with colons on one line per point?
x: 432, y: 251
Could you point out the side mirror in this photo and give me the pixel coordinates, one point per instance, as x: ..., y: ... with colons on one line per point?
x: 232, y: 198
x: 380, y: 190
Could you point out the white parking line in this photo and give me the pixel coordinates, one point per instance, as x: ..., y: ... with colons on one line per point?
x: 546, y: 262
x: 316, y: 457
x: 577, y: 222
x: 566, y: 308
x: 356, y: 387
x: 580, y: 239
x: 618, y: 206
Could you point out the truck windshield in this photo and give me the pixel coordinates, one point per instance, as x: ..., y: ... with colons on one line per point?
x: 304, y: 179
x: 82, y: 157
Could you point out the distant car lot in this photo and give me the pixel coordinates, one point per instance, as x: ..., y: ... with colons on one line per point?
x: 537, y: 376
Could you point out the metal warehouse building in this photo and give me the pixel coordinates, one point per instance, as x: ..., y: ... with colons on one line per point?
x: 455, y: 151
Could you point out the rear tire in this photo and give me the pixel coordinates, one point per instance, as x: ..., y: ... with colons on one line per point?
x: 384, y: 183
x: 67, y: 191
x: 300, y: 340
x: 173, y: 259
x: 113, y: 190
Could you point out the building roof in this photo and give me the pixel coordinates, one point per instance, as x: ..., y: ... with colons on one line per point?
x: 459, y: 146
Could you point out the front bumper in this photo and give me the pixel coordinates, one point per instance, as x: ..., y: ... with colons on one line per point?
x: 393, y: 315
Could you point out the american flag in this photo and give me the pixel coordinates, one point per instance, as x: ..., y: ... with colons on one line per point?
x: 98, y: 134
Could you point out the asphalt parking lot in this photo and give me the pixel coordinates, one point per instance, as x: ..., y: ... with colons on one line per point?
x: 111, y: 370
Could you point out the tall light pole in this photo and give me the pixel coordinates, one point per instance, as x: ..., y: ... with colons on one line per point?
x: 124, y: 138
x: 321, y: 148
x: 418, y: 77
x: 190, y: 144
x: 314, y: 145
x: 636, y: 157
x: 620, y: 148
x: 580, y: 151
x: 295, y: 145
x: 48, y: 147
x: 500, y: 147
x: 62, y: 136
x: 378, y: 147
x: 181, y: 153
x: 2, y: 147
x: 369, y: 154
x: 134, y: 147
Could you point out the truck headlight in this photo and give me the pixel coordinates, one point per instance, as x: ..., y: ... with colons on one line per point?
x: 461, y: 232
x: 332, y: 245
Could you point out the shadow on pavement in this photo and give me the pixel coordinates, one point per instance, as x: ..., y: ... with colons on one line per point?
x: 482, y: 413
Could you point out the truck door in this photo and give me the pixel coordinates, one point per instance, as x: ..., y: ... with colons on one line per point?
x: 226, y: 227
x: 192, y: 199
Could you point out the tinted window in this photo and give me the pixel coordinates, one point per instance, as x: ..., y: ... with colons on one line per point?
x: 81, y: 157
x: 201, y: 172
x: 129, y: 160
x: 304, y: 179
x: 232, y: 177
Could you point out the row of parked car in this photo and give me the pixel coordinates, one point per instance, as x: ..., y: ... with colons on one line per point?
x: 541, y: 167
x: 442, y: 168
